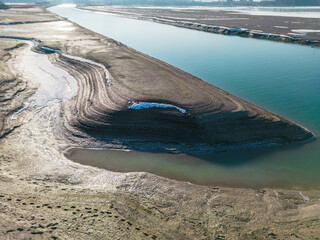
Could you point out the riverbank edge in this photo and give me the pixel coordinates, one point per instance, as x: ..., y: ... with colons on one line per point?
x: 239, y: 31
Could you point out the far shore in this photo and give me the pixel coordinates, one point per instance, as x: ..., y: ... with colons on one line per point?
x: 289, y: 29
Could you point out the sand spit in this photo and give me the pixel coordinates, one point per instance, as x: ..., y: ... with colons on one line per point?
x: 43, y: 195
x: 215, y: 120
x: 223, y: 21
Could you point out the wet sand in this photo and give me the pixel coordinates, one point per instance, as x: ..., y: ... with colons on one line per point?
x: 44, y: 195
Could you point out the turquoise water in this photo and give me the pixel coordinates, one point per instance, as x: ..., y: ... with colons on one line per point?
x: 283, y: 78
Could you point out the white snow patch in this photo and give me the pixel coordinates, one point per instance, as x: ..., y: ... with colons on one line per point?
x: 145, y: 105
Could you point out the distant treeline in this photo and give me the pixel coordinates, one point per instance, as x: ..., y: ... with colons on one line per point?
x: 3, y: 6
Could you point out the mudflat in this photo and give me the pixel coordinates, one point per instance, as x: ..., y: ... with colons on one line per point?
x: 45, y: 195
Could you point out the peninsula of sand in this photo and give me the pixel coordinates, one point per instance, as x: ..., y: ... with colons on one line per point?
x: 63, y: 86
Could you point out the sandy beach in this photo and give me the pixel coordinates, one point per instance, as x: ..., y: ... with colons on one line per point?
x: 44, y: 195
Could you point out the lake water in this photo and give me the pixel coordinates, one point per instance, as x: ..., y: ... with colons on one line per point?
x: 283, y: 78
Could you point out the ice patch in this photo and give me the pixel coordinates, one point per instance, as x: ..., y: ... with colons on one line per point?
x: 49, y: 49
x: 302, y: 12
x: 55, y: 83
x: 92, y: 63
x: 146, y: 105
x: 16, y: 114
x: 280, y: 27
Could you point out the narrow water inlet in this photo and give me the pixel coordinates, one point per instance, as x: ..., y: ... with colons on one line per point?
x: 254, y: 168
